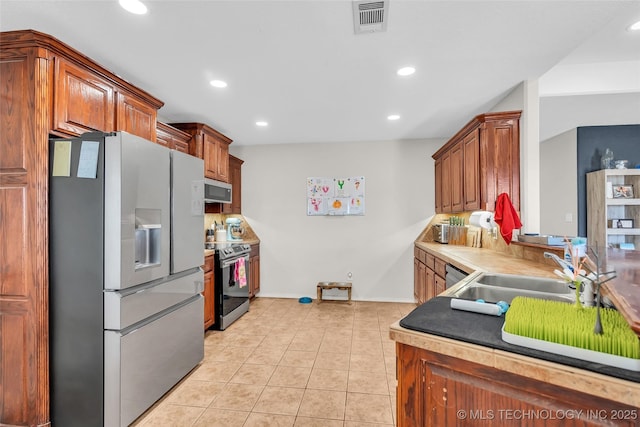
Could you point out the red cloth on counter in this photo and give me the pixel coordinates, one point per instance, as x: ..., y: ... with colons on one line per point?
x: 506, y: 217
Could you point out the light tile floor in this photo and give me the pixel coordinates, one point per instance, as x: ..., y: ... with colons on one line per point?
x: 289, y: 364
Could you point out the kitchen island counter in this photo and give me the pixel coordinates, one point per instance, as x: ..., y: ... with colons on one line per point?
x: 466, y: 378
x: 442, y: 380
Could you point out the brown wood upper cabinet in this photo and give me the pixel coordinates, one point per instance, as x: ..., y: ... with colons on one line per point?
x: 211, y: 146
x: 172, y: 138
x: 481, y: 161
x: 83, y: 101
x: 135, y: 116
x: 235, y: 179
x: 87, y: 99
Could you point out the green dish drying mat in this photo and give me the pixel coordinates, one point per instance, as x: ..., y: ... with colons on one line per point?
x: 436, y: 317
x: 562, y: 323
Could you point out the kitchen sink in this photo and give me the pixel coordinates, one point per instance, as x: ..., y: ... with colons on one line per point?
x: 493, y: 287
x: 538, y: 284
x: 497, y: 293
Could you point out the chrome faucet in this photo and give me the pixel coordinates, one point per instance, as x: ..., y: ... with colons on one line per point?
x: 562, y: 263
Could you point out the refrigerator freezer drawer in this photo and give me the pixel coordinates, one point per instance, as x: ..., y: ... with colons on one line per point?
x: 143, y: 364
x: 125, y: 308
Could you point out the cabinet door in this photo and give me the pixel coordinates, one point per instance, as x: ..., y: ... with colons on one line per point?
x: 422, y: 284
x: 416, y: 279
x: 164, y: 138
x: 210, y: 155
x: 446, y: 182
x: 254, y: 267
x: 182, y: 146
x: 172, y: 138
x: 502, y: 171
x: 222, y: 157
x: 83, y: 101
x: 438, y: 188
x: 455, y: 175
x: 439, y: 285
x: 430, y: 284
x: 209, y: 299
x: 235, y: 179
x: 24, y: 318
x: 136, y: 117
x: 471, y: 171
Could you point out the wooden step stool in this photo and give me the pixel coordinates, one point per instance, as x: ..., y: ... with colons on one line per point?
x: 343, y: 286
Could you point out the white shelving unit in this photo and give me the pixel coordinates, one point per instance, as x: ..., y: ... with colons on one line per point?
x: 603, y: 209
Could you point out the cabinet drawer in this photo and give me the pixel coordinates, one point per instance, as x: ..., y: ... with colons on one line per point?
x: 420, y: 254
x: 430, y: 261
x: 440, y: 267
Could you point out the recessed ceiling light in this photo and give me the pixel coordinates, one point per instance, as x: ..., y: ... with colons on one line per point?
x: 393, y: 117
x: 634, y: 27
x: 406, y: 71
x: 262, y: 123
x: 134, y: 6
x: 218, y: 83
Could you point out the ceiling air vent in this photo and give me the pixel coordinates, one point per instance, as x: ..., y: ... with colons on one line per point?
x: 370, y: 16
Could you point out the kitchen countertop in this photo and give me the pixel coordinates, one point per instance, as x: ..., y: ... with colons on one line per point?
x: 478, y: 259
x: 624, y: 292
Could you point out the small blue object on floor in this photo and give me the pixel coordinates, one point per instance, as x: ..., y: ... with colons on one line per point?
x: 305, y: 300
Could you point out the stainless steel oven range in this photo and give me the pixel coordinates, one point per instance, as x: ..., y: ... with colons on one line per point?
x: 231, y: 271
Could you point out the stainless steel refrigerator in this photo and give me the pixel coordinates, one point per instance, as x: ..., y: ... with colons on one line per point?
x: 125, y: 249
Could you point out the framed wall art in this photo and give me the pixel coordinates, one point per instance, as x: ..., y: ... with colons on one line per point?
x: 335, y: 196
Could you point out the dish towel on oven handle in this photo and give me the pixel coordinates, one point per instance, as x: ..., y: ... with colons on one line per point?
x: 506, y: 217
x: 240, y: 273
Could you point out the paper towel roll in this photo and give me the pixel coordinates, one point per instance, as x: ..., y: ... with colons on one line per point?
x: 482, y: 219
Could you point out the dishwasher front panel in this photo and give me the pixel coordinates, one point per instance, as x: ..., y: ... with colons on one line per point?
x: 143, y: 363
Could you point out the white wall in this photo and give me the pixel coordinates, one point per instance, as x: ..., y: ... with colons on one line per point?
x: 297, y: 250
x: 559, y: 114
x: 559, y: 197
x: 525, y: 97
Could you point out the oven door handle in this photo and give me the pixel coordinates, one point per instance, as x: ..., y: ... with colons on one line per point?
x: 229, y: 262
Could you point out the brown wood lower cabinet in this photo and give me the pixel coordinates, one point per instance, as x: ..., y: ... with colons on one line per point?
x: 254, y: 270
x: 209, y: 293
x: 428, y: 275
x: 438, y: 390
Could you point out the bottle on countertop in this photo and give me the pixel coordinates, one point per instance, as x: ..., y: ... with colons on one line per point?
x: 211, y: 234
